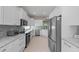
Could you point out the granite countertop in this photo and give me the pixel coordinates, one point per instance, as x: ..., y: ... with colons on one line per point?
x: 8, y: 39
x: 72, y: 41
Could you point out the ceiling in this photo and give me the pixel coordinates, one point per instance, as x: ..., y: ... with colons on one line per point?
x: 38, y: 11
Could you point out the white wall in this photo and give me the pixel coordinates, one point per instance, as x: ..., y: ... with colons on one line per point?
x: 70, y: 17
x: 38, y: 22
x: 34, y: 23
x: 44, y: 32
x: 31, y: 22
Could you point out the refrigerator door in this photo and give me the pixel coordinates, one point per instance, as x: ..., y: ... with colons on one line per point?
x: 53, y: 28
x: 58, y: 34
x: 52, y: 45
x: 55, y: 34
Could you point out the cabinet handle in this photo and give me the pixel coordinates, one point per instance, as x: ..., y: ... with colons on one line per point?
x: 67, y: 44
x: 3, y: 50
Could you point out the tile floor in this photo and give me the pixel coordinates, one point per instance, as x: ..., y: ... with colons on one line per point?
x: 38, y: 44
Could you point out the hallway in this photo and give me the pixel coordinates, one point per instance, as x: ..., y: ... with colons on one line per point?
x: 38, y: 44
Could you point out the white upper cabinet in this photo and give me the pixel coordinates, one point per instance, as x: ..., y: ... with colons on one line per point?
x: 1, y: 15
x: 10, y: 15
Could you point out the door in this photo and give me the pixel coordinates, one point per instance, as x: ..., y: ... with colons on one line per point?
x: 55, y: 33
x: 52, y: 45
x: 58, y: 34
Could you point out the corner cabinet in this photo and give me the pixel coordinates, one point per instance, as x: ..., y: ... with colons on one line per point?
x: 11, y: 15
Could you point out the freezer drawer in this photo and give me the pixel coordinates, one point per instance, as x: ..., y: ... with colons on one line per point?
x: 52, y: 45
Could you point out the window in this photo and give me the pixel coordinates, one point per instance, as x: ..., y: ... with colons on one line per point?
x: 45, y: 24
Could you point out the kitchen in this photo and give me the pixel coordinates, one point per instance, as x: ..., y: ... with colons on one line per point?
x: 67, y: 32
x: 39, y: 29
x: 19, y: 29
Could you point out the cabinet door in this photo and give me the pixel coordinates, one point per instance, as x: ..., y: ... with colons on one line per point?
x: 9, y: 48
x: 52, y: 45
x: 17, y: 16
x: 21, y: 44
x: 1, y: 15
x: 10, y: 15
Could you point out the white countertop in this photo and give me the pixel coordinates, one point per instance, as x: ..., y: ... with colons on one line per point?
x: 5, y: 40
x: 8, y: 39
x: 73, y: 41
x: 29, y: 29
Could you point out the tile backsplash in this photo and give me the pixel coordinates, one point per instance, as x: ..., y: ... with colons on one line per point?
x: 73, y: 30
x: 5, y: 28
x: 68, y: 31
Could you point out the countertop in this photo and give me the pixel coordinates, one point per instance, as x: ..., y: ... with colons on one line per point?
x: 8, y: 39
x: 29, y: 30
x: 72, y: 41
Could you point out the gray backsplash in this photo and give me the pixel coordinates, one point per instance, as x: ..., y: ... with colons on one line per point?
x: 5, y: 28
x: 77, y: 33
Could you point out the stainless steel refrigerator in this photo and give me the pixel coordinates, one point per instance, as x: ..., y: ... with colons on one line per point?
x: 54, y: 34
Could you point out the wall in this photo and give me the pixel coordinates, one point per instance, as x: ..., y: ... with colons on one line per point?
x: 34, y: 23
x: 5, y: 28
x: 43, y: 32
x: 70, y: 17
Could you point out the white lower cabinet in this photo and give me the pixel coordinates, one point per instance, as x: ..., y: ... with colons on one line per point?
x: 17, y: 45
x: 21, y: 44
x: 11, y: 47
x: 67, y: 47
